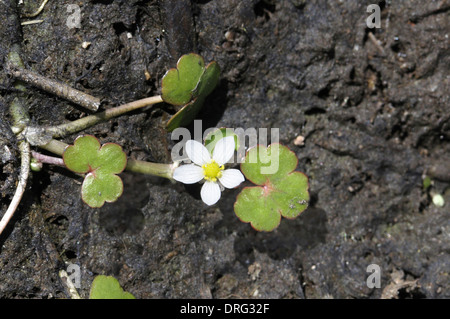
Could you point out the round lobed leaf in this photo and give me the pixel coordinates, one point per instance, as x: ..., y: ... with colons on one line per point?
x: 271, y: 162
x: 99, y: 188
x: 178, y: 84
x: 111, y: 158
x: 80, y: 156
x: 101, y: 163
x: 188, y: 85
x: 290, y: 194
x: 253, y: 207
x: 282, y: 191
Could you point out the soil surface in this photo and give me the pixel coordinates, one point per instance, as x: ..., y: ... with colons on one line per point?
x: 372, y: 105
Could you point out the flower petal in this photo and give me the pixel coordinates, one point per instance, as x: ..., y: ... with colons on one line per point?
x: 188, y: 174
x: 197, y: 153
x: 231, y: 178
x: 224, y: 150
x: 210, y: 193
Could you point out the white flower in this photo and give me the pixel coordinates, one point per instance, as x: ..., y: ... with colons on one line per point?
x: 210, y: 169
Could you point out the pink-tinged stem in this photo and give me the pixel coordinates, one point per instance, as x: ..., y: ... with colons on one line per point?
x: 45, y: 159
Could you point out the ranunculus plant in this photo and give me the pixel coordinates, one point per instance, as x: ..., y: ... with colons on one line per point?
x: 279, y: 190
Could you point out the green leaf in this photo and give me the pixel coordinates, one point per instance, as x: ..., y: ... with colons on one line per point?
x: 101, y: 164
x: 271, y: 162
x: 282, y: 191
x: 99, y: 187
x: 213, y: 137
x: 178, y: 84
x: 252, y: 207
x: 188, y: 84
x: 80, y: 156
x: 108, y: 287
x: 111, y: 158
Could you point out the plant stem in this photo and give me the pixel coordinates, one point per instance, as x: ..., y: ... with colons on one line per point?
x: 18, y: 113
x: 32, y: 15
x: 55, y: 146
x: 45, y: 159
x: 156, y: 169
x: 20, y: 118
x: 24, y: 171
x: 88, y: 121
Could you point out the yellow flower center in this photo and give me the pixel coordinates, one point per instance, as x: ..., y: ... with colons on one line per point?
x: 212, y: 171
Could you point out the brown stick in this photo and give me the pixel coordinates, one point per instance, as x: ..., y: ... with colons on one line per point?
x: 58, y: 88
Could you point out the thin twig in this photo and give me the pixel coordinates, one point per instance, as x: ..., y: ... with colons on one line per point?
x: 70, y: 286
x: 32, y: 15
x: 58, y: 88
x: 31, y: 22
x: 376, y: 43
x: 24, y: 172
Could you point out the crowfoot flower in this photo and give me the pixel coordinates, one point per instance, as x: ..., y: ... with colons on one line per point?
x: 210, y: 169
